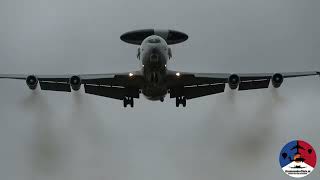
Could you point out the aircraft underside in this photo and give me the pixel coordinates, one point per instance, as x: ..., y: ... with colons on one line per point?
x: 153, y: 80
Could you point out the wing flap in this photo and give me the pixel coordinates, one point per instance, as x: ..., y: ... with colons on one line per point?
x: 54, y: 86
x: 247, y: 85
x: 111, y: 92
x: 197, y: 91
x: 191, y: 80
x: 117, y: 80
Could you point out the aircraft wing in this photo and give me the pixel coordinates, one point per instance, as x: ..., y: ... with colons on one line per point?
x: 117, y: 86
x: 193, y: 85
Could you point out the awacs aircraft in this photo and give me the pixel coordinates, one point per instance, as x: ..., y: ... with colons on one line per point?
x: 154, y: 80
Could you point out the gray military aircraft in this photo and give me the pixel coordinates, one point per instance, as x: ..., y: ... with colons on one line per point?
x: 154, y: 80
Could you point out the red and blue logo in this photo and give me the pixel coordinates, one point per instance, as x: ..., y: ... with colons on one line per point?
x: 298, y: 158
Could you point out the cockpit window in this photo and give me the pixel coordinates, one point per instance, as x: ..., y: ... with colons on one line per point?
x: 154, y: 40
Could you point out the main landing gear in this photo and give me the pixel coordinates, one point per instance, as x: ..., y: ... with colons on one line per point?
x: 127, y: 101
x: 181, y: 100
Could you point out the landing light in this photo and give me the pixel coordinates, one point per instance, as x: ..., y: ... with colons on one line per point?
x: 177, y: 74
x: 130, y: 74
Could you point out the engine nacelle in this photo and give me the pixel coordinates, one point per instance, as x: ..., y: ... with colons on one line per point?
x: 233, y: 81
x: 32, y: 82
x: 75, y: 83
x: 277, y: 80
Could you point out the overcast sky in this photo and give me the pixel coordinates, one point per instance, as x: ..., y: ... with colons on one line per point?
x: 234, y: 135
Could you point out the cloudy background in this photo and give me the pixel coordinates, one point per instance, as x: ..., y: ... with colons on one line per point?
x: 234, y: 135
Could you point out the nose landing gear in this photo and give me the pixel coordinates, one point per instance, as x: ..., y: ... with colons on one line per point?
x: 127, y: 101
x: 181, y: 100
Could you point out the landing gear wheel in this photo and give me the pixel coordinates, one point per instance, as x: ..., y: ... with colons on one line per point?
x: 177, y: 101
x: 161, y: 99
x: 131, y: 102
x: 127, y: 101
x: 182, y: 101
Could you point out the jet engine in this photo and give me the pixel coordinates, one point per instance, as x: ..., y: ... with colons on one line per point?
x: 75, y: 83
x: 277, y: 80
x: 233, y: 81
x: 32, y: 82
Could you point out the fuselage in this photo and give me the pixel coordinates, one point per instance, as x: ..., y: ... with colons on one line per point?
x: 154, y: 54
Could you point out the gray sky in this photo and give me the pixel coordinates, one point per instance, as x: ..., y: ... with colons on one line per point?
x: 235, y: 135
